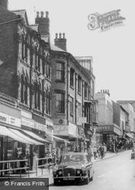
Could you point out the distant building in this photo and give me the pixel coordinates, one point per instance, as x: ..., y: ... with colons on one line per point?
x: 108, y: 117
x: 129, y: 106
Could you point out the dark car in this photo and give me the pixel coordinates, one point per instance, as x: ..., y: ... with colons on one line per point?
x: 74, y: 166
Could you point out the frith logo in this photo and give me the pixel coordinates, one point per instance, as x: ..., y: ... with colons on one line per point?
x: 105, y: 21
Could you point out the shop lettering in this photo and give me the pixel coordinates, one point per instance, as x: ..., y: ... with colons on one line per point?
x: 4, y: 119
x: 105, y: 21
x: 10, y: 120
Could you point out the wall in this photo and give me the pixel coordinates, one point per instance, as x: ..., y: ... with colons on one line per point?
x: 104, y: 109
x: 8, y: 53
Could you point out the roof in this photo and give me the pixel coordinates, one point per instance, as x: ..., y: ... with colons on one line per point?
x: 55, y: 48
x: 34, y: 27
x: 23, y: 14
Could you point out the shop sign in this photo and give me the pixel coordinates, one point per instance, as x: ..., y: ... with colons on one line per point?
x: 72, y: 130
x: 26, y: 114
x: 40, y: 126
x: 81, y: 120
x: 26, y: 122
x: 104, y: 128
x: 61, y: 130
x: 4, y: 118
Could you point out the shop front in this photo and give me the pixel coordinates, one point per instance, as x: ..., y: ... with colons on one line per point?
x: 69, y: 133
x: 9, y: 118
x: 108, y: 133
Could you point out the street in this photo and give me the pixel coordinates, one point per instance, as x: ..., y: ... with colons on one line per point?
x: 117, y: 173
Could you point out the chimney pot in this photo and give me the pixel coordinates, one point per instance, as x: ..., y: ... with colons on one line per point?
x: 47, y: 13
x: 56, y: 35
x: 42, y: 14
x: 59, y: 35
x: 37, y: 13
x: 63, y: 35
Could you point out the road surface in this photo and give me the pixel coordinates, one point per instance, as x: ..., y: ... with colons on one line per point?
x: 117, y: 173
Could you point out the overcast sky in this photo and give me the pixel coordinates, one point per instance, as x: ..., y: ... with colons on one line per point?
x: 113, y: 51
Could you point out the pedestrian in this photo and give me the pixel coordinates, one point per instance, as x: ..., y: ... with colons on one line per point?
x: 95, y: 152
x: 90, y: 153
x: 101, y: 149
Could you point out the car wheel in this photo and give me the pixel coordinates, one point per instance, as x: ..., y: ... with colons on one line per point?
x: 87, y: 180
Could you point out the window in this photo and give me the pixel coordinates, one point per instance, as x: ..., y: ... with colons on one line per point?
x: 78, y: 111
x: 60, y: 102
x: 37, y: 97
x: 60, y: 71
x: 72, y: 77
x: 71, y: 102
x: 85, y: 90
x: 24, y: 91
x: 48, y: 70
x: 71, y: 105
x: 79, y: 84
x: 48, y: 103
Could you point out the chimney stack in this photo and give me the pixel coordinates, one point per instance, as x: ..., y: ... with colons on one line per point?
x: 60, y: 41
x: 43, y: 22
x: 4, y: 4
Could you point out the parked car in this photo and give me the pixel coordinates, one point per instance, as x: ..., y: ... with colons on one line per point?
x: 74, y: 166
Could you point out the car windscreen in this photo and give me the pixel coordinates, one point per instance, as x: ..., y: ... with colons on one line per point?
x: 73, y: 158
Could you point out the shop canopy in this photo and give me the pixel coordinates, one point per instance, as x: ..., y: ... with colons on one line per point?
x: 17, y: 136
x: 129, y: 135
x: 21, y: 135
x: 33, y: 135
x: 60, y: 139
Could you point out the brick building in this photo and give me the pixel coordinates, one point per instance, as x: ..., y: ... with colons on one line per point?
x: 73, y: 89
x: 25, y: 77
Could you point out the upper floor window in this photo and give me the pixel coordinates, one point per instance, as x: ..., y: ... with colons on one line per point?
x: 48, y: 70
x: 85, y: 90
x: 48, y: 103
x: 60, y: 71
x: 60, y: 102
x: 71, y: 101
x: 72, y: 77
x: 79, y: 84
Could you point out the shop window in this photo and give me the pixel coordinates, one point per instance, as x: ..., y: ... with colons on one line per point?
x: 60, y: 102
x: 60, y: 71
x: 72, y: 72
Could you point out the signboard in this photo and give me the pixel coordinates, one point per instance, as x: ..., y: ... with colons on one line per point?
x: 60, y: 130
x: 4, y: 118
x: 40, y: 126
x: 72, y: 130
x: 82, y: 120
x: 105, y: 128
x: 26, y: 122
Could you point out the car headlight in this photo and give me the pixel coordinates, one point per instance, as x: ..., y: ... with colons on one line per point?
x: 78, y: 172
x: 60, y: 172
x: 84, y: 171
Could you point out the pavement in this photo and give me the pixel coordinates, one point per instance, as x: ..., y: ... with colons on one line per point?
x: 48, y: 173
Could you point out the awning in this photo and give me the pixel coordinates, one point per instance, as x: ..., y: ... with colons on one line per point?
x: 60, y: 139
x: 4, y: 131
x: 129, y: 135
x: 33, y: 135
x: 24, y: 137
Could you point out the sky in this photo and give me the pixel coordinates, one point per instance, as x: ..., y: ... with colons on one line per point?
x: 113, y: 51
